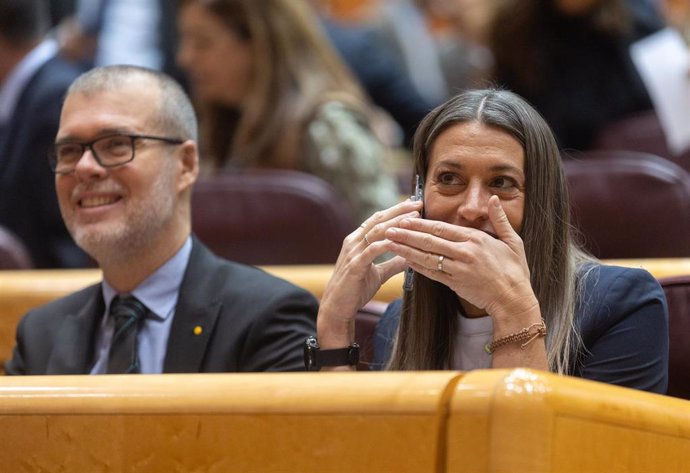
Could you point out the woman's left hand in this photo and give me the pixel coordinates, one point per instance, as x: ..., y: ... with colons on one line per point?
x: 491, y: 273
x: 357, y: 277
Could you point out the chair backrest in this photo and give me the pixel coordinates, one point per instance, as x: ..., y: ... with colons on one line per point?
x: 13, y: 253
x: 677, y: 290
x: 365, y: 324
x: 630, y: 205
x: 639, y: 132
x: 270, y: 217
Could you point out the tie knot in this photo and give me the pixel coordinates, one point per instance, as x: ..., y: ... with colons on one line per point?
x: 126, y: 310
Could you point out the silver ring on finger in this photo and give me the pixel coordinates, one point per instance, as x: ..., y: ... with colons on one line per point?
x: 366, y: 240
x: 439, y: 266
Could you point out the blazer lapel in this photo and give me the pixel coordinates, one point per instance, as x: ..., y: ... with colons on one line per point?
x: 73, y: 350
x: 189, y: 337
x: 195, y: 315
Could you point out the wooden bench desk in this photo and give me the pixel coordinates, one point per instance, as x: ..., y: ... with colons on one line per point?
x: 21, y: 291
x: 488, y: 421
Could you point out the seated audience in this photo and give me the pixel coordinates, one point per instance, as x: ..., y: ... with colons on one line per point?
x: 125, y: 161
x: 33, y: 81
x: 439, y: 41
x: 499, y: 282
x: 571, y: 60
x: 381, y: 71
x: 273, y: 93
x: 136, y: 32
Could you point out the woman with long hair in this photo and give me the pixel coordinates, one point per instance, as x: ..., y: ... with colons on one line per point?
x: 272, y: 93
x: 499, y: 280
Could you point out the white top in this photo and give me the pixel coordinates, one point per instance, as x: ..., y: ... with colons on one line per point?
x: 473, y: 334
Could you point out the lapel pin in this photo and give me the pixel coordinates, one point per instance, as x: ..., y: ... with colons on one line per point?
x: 198, y: 330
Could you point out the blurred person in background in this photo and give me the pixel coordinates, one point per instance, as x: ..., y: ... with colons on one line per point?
x: 33, y: 82
x: 441, y: 42
x: 135, y: 32
x: 571, y: 60
x: 461, y: 28
x: 272, y: 93
x: 381, y: 70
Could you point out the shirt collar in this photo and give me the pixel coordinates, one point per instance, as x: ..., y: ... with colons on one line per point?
x: 159, y: 292
x: 13, y: 86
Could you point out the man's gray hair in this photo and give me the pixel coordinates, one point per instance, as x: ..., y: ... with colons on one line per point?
x: 175, y: 115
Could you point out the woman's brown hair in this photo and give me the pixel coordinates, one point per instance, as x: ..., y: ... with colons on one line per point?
x: 428, y: 321
x: 295, y: 70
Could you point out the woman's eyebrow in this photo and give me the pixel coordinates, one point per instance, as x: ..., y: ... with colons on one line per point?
x: 495, y: 168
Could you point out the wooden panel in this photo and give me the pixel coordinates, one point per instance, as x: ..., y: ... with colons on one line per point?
x: 659, y: 267
x: 232, y: 422
x: 521, y: 420
x: 40, y: 286
x: 482, y: 421
x: 21, y: 291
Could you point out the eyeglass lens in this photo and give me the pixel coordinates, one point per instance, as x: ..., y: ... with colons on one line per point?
x: 108, y: 151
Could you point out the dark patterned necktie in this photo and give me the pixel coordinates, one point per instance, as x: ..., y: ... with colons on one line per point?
x: 127, y: 312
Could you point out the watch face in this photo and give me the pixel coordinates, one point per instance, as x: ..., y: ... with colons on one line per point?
x: 311, y: 350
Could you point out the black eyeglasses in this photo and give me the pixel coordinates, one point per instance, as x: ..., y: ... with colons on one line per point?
x: 109, y: 151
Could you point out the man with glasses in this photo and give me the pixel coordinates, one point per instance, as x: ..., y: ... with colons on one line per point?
x: 125, y: 160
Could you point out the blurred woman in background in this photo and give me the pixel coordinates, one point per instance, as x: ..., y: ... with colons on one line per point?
x: 272, y: 93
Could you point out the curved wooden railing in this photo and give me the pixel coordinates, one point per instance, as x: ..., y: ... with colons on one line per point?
x: 480, y: 421
x: 21, y: 291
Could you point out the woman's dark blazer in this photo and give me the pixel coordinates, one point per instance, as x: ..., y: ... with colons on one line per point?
x: 623, y: 320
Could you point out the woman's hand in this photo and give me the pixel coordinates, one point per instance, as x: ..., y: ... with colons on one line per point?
x: 490, y: 273
x: 356, y: 277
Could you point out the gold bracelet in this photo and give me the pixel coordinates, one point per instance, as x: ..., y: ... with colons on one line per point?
x: 524, y: 334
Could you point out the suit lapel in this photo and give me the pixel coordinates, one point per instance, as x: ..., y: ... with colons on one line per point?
x: 73, y: 350
x: 196, y: 315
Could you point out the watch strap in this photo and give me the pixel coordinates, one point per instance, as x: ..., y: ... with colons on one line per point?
x: 340, y: 356
x: 315, y: 358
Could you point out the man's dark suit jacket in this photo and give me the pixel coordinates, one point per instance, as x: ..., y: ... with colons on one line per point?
x: 28, y: 205
x: 250, y: 321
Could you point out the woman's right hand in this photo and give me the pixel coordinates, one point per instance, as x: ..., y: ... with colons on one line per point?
x: 356, y: 277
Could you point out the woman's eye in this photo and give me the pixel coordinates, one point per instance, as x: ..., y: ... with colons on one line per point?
x: 503, y: 183
x: 448, y: 179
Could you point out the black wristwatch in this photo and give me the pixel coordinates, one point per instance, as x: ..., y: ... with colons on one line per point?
x: 315, y: 358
